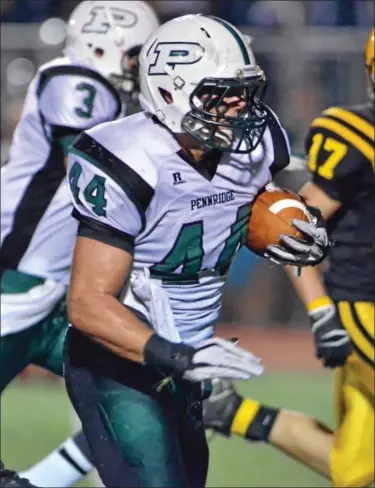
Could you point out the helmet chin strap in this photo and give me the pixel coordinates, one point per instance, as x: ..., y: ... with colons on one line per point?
x: 223, y: 137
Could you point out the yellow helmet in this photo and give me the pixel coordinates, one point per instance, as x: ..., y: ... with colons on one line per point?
x: 370, y: 62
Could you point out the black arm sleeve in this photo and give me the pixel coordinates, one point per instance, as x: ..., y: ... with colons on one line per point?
x: 99, y: 231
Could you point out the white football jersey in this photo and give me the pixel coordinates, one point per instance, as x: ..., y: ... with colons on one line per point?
x: 133, y: 187
x: 37, y: 231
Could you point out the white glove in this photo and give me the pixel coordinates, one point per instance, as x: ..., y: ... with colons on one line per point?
x: 302, y: 252
x: 332, y: 343
x: 219, y: 358
x: 215, y: 358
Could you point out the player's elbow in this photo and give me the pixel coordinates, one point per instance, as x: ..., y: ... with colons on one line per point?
x: 79, y: 308
x: 76, y: 308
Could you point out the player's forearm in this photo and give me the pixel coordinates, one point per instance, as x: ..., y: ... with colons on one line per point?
x: 108, y: 322
x: 308, y: 285
x: 304, y: 439
x: 316, y: 197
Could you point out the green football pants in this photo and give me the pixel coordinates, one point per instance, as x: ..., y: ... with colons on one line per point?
x: 41, y: 344
x: 140, y: 434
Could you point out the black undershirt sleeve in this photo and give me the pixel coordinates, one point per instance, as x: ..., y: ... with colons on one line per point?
x: 93, y: 229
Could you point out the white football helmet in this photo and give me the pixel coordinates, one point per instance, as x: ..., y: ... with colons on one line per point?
x: 108, y: 35
x: 188, y: 66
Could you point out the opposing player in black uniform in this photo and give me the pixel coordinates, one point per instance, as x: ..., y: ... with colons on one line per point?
x: 340, y: 147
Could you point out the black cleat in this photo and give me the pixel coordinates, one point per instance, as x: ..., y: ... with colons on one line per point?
x: 220, y: 408
x: 10, y: 479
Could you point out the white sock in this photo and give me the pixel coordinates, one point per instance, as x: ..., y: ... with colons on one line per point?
x: 64, y: 467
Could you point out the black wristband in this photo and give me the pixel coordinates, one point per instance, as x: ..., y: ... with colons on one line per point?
x: 260, y: 427
x: 171, y: 358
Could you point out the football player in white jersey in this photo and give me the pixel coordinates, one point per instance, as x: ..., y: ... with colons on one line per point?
x: 163, y: 199
x: 97, y: 75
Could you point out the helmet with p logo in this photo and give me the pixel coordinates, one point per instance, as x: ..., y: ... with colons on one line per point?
x: 105, y: 34
x: 189, y: 67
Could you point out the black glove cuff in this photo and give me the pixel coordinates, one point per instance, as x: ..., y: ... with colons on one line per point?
x: 315, y: 212
x: 170, y: 357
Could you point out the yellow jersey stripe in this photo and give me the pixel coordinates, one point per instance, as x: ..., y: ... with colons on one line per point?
x: 366, y: 314
x: 356, y: 335
x: 354, y: 120
x: 356, y: 141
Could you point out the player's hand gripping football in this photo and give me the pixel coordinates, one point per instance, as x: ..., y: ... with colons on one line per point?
x: 302, y: 252
x: 332, y: 342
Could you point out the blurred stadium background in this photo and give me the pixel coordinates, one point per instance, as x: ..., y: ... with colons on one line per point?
x: 312, y: 51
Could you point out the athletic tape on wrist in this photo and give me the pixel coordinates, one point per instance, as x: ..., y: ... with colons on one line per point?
x: 319, y: 303
x: 245, y: 415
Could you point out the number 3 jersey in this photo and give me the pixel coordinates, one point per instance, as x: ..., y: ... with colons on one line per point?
x: 133, y: 187
x: 37, y: 231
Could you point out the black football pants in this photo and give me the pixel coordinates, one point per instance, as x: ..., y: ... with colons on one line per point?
x: 139, y: 435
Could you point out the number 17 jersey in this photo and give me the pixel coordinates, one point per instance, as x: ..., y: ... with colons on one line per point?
x: 134, y: 188
x: 37, y: 231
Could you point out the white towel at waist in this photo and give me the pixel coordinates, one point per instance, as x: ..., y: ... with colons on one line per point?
x: 156, y: 301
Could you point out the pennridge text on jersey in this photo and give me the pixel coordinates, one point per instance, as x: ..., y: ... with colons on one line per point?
x: 215, y: 199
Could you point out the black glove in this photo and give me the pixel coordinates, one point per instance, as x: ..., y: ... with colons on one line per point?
x: 332, y: 342
x: 303, y: 252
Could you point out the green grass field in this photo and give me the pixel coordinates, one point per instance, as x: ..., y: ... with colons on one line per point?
x: 35, y: 418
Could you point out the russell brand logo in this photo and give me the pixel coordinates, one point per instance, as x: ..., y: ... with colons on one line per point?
x: 177, y: 180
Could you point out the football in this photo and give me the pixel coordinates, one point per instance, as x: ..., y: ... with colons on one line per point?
x: 272, y: 214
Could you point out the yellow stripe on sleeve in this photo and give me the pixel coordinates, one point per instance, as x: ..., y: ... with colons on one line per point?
x: 354, y: 120
x: 366, y: 314
x: 356, y: 335
x: 362, y: 146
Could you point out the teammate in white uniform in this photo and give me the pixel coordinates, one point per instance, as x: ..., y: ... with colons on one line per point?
x: 163, y: 199
x: 67, y: 95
